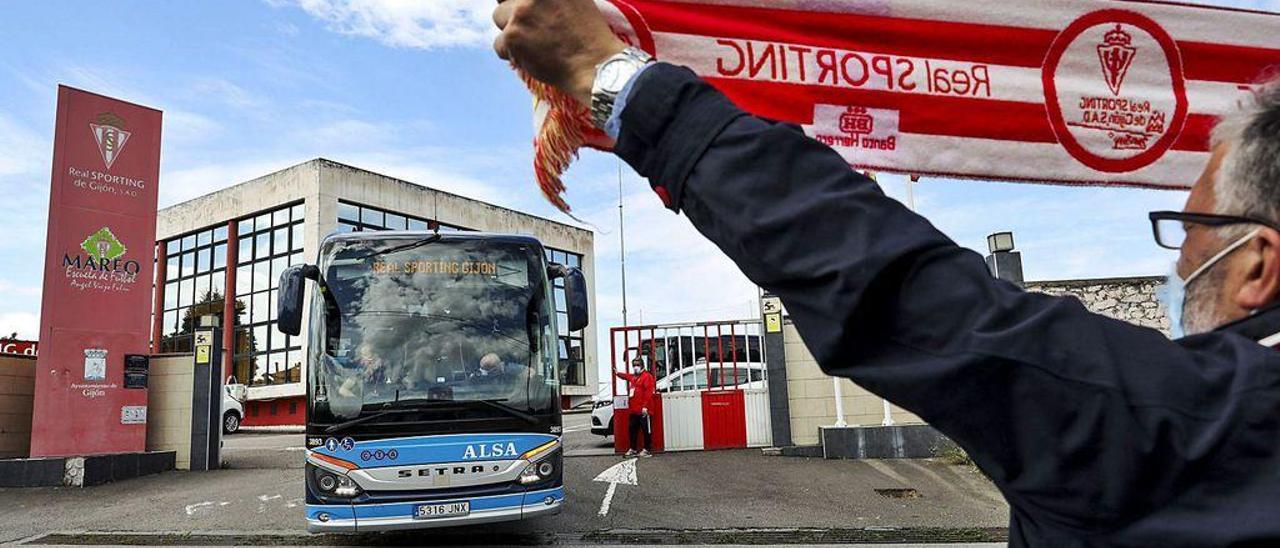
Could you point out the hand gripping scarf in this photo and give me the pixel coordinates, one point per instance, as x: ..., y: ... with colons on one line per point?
x: 1077, y: 92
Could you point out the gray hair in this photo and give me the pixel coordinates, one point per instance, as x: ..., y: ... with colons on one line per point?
x: 1248, y: 181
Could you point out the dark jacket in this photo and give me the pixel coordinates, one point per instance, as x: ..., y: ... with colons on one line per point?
x: 1098, y: 432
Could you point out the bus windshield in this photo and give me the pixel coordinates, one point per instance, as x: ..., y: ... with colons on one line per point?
x: 422, y: 324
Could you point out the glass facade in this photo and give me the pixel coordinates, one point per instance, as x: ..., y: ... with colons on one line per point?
x: 356, y: 218
x: 267, y: 243
x: 194, y: 284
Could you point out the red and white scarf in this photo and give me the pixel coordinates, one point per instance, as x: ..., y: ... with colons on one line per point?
x: 1081, y: 92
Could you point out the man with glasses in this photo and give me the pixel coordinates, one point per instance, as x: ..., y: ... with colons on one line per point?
x: 1098, y: 432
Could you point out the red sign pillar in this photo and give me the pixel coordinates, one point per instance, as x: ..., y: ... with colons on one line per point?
x: 99, y: 254
x: 229, y: 301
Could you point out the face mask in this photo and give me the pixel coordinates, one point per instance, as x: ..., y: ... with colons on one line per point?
x: 1172, y: 295
x: 1174, y: 292
x: 636, y: 370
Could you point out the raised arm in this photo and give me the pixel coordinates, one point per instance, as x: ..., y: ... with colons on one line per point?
x: 1079, y: 417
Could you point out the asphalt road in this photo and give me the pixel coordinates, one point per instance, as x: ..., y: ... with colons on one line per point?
x: 579, y: 441
x: 695, y: 497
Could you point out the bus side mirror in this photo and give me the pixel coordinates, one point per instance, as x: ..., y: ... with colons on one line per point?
x: 575, y: 289
x: 289, y: 299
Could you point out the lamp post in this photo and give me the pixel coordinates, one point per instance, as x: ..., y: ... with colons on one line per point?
x: 622, y: 246
x: 1003, y: 262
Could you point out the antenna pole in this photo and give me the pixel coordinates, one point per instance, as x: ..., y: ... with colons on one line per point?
x: 622, y: 246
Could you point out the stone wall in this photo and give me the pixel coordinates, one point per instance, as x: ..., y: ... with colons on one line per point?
x: 1135, y: 300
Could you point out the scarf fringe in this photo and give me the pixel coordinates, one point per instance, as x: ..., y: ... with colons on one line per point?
x: 557, y: 142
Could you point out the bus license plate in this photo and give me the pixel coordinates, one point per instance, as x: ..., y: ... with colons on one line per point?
x: 446, y: 510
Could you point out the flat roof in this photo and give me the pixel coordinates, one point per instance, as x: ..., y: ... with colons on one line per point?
x: 325, y: 162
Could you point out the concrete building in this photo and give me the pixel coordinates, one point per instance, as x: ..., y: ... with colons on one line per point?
x: 237, y: 241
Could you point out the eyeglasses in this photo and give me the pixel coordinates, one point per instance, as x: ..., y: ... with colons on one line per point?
x: 1170, y: 227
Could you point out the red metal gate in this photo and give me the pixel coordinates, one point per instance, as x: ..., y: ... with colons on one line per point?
x: 724, y: 419
x: 701, y: 371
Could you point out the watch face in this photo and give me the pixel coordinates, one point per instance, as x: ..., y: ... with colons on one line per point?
x: 611, y: 75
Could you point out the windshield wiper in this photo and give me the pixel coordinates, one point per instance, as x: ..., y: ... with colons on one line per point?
x: 388, y: 408
x: 497, y: 404
x: 405, y: 247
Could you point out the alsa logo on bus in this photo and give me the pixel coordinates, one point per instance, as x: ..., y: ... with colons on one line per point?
x: 489, y: 451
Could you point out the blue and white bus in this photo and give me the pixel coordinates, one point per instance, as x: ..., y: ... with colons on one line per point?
x: 433, y: 384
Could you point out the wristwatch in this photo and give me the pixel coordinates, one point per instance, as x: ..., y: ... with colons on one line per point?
x: 611, y: 76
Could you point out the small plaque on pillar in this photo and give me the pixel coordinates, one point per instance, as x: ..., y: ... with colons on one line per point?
x: 773, y: 322
x: 204, y: 347
x: 136, y: 369
x: 133, y: 414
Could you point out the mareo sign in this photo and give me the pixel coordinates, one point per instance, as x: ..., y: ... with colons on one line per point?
x: 98, y: 270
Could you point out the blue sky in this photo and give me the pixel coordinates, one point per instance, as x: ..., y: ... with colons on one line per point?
x: 412, y: 90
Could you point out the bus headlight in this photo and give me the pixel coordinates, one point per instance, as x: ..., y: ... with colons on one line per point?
x: 542, y: 461
x: 539, y: 471
x: 346, y: 487
x: 327, y: 482
x: 332, y: 484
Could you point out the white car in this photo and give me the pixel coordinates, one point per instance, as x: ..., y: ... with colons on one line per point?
x: 744, y: 375
x: 602, y: 413
x: 748, y: 375
x: 233, y: 394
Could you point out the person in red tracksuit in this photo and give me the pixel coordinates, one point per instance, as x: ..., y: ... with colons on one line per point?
x: 640, y: 397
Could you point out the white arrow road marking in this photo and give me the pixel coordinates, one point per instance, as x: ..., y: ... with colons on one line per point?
x: 262, y: 502
x: 625, y: 473
x: 193, y: 508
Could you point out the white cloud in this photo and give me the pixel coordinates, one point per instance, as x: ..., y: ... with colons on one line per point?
x: 25, y: 324
x: 407, y: 166
x: 182, y: 127
x: 226, y: 92
x: 407, y: 23
x: 346, y: 134
x: 288, y: 29
x: 9, y: 290
x: 193, y: 181
x: 22, y: 150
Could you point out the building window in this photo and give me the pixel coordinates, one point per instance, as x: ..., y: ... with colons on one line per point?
x: 267, y: 243
x: 358, y: 218
x: 194, y: 284
x: 571, y: 346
